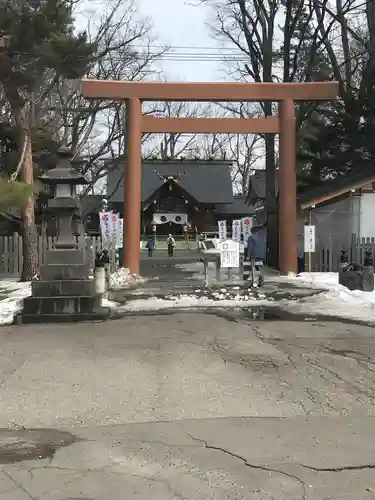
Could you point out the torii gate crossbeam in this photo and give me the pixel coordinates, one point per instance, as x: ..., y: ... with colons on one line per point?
x: 137, y: 123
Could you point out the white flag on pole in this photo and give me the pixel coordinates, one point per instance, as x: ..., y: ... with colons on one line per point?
x: 222, y: 224
x: 247, y: 224
x: 114, y: 229
x: 236, y: 231
x: 105, y: 228
x: 120, y: 232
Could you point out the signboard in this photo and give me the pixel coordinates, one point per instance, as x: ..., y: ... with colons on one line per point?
x: 105, y: 228
x: 247, y: 224
x: 236, y: 230
x: 120, y: 233
x: 222, y: 230
x: 309, y: 240
x: 229, y: 253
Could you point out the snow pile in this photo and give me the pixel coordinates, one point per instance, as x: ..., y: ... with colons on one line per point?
x: 336, y: 300
x: 110, y: 304
x: 185, y: 301
x: 123, y: 278
x: 14, y: 292
x: 312, y: 280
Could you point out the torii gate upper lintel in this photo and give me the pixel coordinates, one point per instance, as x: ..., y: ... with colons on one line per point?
x: 284, y: 124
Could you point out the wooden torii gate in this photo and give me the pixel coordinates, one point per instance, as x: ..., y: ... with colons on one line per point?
x: 137, y: 123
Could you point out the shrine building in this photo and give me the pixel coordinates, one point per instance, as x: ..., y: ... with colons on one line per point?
x: 193, y: 192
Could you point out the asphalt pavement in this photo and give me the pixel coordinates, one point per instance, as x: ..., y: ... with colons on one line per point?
x: 190, y: 406
x: 187, y: 405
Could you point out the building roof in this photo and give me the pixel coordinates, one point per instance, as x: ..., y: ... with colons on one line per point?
x: 257, y: 186
x: 336, y: 188
x: 238, y: 207
x: 321, y: 194
x: 208, y: 181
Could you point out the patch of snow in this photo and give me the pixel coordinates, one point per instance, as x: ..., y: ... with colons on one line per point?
x: 109, y: 303
x: 16, y: 291
x: 187, y: 301
x: 313, y: 280
x: 336, y: 300
x: 123, y: 278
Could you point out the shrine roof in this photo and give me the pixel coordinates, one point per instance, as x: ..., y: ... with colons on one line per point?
x: 238, y: 207
x: 257, y: 186
x: 208, y: 181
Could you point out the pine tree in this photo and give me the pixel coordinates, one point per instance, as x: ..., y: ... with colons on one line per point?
x: 15, y: 193
x: 37, y: 41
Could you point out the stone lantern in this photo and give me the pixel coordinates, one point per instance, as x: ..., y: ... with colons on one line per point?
x: 63, y: 181
x: 64, y: 292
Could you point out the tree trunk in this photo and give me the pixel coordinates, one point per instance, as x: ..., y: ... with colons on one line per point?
x: 271, y: 207
x: 30, y: 266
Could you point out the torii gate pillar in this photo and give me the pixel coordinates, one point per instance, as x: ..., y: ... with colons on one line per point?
x: 132, y: 185
x: 287, y: 189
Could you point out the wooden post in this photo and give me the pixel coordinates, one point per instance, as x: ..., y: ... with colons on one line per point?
x: 205, y: 263
x: 218, y: 268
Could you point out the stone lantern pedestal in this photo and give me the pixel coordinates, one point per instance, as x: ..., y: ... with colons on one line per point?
x: 64, y: 292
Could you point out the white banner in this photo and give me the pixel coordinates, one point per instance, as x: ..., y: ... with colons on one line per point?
x: 115, y: 218
x: 175, y: 218
x: 120, y: 233
x: 247, y: 224
x: 222, y: 224
x: 105, y: 228
x: 229, y: 253
x: 309, y: 239
x: 236, y: 231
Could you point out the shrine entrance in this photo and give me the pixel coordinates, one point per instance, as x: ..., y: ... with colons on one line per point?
x: 284, y: 125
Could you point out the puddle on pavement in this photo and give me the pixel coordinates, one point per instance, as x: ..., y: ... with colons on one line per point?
x: 32, y: 444
x: 244, y: 314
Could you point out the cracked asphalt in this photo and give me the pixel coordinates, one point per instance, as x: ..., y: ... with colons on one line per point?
x: 187, y: 406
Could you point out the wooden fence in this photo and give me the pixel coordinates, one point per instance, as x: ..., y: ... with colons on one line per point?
x: 326, y: 258
x: 11, y: 251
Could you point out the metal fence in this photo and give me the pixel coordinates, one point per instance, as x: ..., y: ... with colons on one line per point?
x: 11, y: 251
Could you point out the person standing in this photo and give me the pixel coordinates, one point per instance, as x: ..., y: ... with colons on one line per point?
x: 150, y: 245
x: 256, y: 251
x: 171, y: 244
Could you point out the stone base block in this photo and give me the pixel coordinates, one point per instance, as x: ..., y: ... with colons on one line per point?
x: 70, y: 288
x: 57, y: 256
x: 361, y: 279
x: 26, y: 319
x: 62, y: 305
x: 63, y: 272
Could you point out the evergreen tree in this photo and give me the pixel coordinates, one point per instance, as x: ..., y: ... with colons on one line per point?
x: 15, y: 193
x: 37, y: 42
